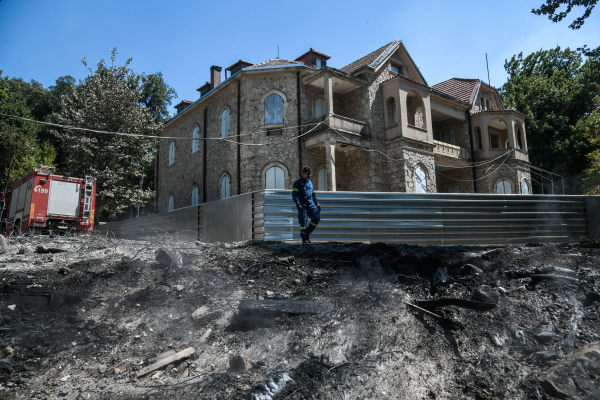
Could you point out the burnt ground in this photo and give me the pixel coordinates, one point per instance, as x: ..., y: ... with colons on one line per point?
x: 85, y: 331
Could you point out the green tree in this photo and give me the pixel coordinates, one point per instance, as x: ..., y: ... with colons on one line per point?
x: 555, y: 90
x: 550, y: 8
x: 20, y: 148
x: 109, y: 100
x: 591, y: 126
x: 157, y: 95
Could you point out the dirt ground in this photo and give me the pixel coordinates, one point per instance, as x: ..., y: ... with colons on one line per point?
x: 81, y: 323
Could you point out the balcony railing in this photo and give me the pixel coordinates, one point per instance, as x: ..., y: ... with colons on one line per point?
x: 450, y: 150
x: 339, y: 123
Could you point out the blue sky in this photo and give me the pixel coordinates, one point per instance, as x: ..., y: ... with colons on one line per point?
x: 43, y: 40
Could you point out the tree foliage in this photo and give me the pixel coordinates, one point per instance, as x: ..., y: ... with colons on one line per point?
x: 555, y: 90
x: 109, y: 100
x: 20, y: 147
x: 592, y: 132
x: 550, y: 8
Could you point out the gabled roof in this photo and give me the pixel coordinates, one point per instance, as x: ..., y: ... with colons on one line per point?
x: 366, y: 60
x: 398, y: 76
x: 275, y: 62
x: 325, y: 56
x: 459, y: 88
x: 375, y: 59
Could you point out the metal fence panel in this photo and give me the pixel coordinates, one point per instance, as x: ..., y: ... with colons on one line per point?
x: 430, y: 218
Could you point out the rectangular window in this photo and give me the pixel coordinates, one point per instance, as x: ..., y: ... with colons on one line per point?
x: 453, y: 189
x: 396, y: 68
x: 448, y: 136
x: 274, y: 132
x: 479, y: 141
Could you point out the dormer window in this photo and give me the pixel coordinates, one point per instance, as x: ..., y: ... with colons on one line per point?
x: 396, y: 68
x: 318, y: 62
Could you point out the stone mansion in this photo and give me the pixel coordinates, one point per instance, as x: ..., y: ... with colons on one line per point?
x: 375, y: 125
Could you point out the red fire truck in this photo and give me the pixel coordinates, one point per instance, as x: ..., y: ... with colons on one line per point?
x: 42, y: 202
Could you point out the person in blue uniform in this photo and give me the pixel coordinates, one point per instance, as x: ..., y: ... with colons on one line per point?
x: 307, y: 205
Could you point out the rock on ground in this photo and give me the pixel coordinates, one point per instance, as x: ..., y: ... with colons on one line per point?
x: 577, y: 377
x: 169, y: 258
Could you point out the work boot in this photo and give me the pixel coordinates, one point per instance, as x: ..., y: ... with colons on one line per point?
x: 305, y: 240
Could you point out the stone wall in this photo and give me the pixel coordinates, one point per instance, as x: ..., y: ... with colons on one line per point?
x: 281, y: 149
x: 399, y: 172
x: 463, y: 177
x: 511, y: 171
x: 178, y: 179
x: 461, y: 130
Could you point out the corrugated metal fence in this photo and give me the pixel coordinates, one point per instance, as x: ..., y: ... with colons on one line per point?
x: 377, y: 217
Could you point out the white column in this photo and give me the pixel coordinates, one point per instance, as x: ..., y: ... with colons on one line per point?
x: 330, y: 159
x: 328, y: 94
x: 512, y: 141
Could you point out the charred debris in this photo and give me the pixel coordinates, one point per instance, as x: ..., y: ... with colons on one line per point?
x: 88, y: 317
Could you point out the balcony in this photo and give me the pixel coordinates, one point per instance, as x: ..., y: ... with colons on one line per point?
x: 487, y: 154
x: 338, y: 123
x: 450, y: 150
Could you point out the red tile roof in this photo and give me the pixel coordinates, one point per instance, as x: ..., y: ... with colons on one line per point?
x: 459, y: 88
x: 316, y: 52
x: 499, y: 111
x: 366, y: 60
x: 275, y: 62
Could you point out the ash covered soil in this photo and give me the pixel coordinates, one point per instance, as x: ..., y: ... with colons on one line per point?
x: 83, y: 323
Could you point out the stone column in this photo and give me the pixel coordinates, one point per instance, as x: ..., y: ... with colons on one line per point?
x: 330, y: 159
x: 512, y: 140
x: 328, y: 94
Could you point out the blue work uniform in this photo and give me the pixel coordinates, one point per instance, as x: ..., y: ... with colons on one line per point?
x: 303, y: 194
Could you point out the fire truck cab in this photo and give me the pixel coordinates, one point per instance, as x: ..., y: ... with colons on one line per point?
x: 44, y: 203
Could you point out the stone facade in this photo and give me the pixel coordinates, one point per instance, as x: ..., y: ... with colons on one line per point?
x: 367, y: 154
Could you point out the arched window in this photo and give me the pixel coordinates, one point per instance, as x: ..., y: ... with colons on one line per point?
x: 194, y: 195
x: 504, y: 187
x: 319, y: 107
x: 519, y: 140
x: 171, y: 203
x: 171, y: 153
x: 322, y: 177
x: 525, y: 187
x: 225, y: 187
x: 420, y: 180
x: 275, y: 178
x: 391, y: 110
x: 196, y: 140
x: 274, y: 110
x: 225, y: 123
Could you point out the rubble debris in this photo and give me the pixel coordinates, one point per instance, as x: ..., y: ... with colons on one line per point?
x: 549, y: 269
x: 486, y: 294
x: 49, y: 250
x: 284, y: 306
x: 440, y: 276
x: 577, y: 315
x: 271, y: 388
x: 470, y: 269
x: 64, y: 270
x: 159, y: 357
x: 120, y: 367
x: 168, y: 257
x: 544, y: 356
x: 25, y: 250
x: 204, y: 316
x: 535, y: 278
x: 6, y: 366
x: 434, y: 315
x: 71, y: 300
x: 576, y: 376
x: 239, y: 363
x: 446, y: 301
x: 165, y: 361
x: 591, y: 298
x: 544, y: 333
x: 495, y: 338
x: 3, y: 247
x: 7, y: 351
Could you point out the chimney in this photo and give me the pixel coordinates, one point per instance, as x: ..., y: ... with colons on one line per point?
x: 215, y: 76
